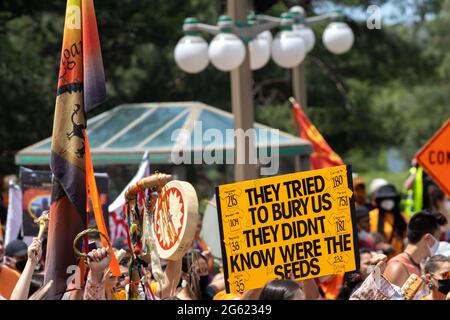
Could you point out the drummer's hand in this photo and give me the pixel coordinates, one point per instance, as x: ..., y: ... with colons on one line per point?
x: 98, y: 261
x: 379, y: 260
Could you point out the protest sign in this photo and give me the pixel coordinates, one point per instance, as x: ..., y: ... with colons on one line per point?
x: 36, y: 197
x: 434, y: 157
x: 36, y: 193
x: 298, y: 225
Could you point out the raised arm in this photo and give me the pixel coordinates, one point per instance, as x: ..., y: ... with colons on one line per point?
x: 172, y: 275
x: 98, y: 261
x: 22, y: 288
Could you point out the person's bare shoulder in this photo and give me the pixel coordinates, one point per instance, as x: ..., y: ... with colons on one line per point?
x: 396, y: 273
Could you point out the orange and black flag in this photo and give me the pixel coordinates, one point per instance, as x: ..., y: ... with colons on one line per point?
x: 322, y: 156
x: 81, y: 87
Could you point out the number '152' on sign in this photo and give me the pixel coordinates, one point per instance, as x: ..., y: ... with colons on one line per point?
x: 296, y: 226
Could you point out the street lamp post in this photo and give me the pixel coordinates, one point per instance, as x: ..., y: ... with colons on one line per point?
x: 242, y: 44
x: 242, y: 101
x: 227, y: 52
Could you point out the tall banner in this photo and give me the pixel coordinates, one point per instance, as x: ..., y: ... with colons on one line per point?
x: 81, y: 87
x: 14, y: 217
x: 299, y: 226
x: 210, y: 228
x: 117, y: 223
x: 322, y: 156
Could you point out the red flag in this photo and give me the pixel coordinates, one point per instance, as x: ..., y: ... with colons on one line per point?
x: 322, y: 156
x: 81, y: 87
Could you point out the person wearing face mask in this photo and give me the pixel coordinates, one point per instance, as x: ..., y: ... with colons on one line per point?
x: 387, y: 219
x: 195, y: 277
x: 437, y: 277
x: 422, y: 233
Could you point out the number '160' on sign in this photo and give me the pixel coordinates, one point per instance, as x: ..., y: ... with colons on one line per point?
x: 299, y: 225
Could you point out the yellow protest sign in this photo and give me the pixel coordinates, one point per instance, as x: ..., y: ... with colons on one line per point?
x: 298, y: 225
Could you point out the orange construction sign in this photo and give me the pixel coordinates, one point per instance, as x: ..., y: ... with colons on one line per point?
x: 434, y: 157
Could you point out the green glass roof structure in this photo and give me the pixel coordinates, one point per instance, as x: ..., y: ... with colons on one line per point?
x: 123, y: 134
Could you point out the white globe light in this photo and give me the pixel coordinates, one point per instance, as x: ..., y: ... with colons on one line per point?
x: 306, y: 34
x: 266, y: 35
x: 226, y: 51
x: 191, y: 54
x: 259, y: 49
x: 338, y: 37
x: 288, y: 49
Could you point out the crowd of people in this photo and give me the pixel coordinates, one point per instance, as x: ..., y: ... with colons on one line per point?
x: 394, y: 244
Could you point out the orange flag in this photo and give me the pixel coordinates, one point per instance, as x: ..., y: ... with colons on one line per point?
x: 322, y: 156
x: 91, y: 187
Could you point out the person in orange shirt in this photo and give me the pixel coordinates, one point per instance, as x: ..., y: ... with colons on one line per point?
x: 8, y: 276
x: 223, y: 295
x: 387, y: 219
x: 331, y: 285
x: 8, y: 280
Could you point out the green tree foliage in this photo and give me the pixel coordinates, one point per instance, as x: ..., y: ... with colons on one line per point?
x: 391, y: 89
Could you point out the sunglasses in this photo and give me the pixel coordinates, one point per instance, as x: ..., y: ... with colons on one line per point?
x: 445, y: 275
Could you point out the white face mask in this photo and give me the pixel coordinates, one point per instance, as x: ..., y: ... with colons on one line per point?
x: 387, y: 204
x: 434, y: 247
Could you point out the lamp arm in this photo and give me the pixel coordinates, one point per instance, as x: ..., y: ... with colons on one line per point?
x: 206, y: 28
x: 265, y: 23
x: 266, y: 18
x: 312, y: 21
x: 250, y: 32
x: 247, y: 32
